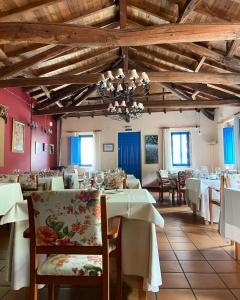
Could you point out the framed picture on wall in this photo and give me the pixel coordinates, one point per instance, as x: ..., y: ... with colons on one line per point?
x: 151, y: 149
x: 18, y: 137
x: 51, y: 149
x: 108, y: 147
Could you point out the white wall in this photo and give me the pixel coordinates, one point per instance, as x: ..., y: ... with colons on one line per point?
x: 202, y: 152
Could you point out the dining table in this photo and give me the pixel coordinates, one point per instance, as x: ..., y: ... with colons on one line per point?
x: 132, y: 182
x: 139, y: 241
x: 229, y: 219
x: 197, y: 196
x: 10, y: 193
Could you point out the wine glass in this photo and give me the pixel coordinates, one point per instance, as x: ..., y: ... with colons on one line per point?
x: 86, y: 179
x: 99, y: 179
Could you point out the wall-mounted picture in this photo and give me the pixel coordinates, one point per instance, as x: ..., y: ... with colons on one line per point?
x: 38, y: 147
x: 18, y: 137
x: 45, y: 147
x: 151, y: 149
x: 108, y: 147
x: 51, y: 149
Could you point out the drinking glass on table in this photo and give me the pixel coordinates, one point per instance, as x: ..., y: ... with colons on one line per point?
x: 87, y: 179
x: 99, y: 179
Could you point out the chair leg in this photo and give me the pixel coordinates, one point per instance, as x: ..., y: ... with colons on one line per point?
x: 51, y: 292
x: 211, y: 212
x: 184, y: 197
x: 119, y: 294
x: 33, y: 292
x: 237, y: 251
x: 173, y: 197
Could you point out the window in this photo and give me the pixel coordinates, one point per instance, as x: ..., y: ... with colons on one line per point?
x: 180, y: 149
x: 81, y: 150
x: 228, y: 145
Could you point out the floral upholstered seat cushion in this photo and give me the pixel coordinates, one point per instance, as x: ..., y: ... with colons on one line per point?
x: 8, y: 178
x: 28, y: 182
x: 69, y: 218
x: 113, y: 181
x: 233, y: 181
x: 72, y: 265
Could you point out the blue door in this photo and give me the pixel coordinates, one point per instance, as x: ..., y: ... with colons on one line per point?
x: 129, y: 153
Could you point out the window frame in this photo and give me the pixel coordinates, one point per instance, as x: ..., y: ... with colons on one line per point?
x: 80, y: 138
x: 181, y: 133
x: 227, y: 146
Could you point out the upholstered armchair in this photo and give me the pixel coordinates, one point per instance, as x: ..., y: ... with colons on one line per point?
x: 8, y: 178
x: 71, y: 227
x: 29, y: 183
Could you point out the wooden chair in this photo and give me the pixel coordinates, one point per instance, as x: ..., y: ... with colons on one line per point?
x: 181, y: 187
x: 65, y: 226
x: 166, y: 185
x: 29, y: 183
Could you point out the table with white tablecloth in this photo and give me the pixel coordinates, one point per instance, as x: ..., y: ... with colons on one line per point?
x: 139, y: 242
x: 198, y: 195
x: 132, y: 182
x: 10, y: 193
x: 229, y: 219
x: 53, y: 183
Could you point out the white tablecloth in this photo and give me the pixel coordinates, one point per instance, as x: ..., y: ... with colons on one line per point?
x: 10, y: 193
x: 132, y: 182
x: 52, y: 183
x: 139, y: 242
x: 197, y: 193
x: 229, y: 219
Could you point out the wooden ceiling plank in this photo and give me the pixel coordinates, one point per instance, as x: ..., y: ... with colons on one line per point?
x: 232, y: 48
x: 30, y: 62
x: 17, y: 12
x: 61, y: 34
x: 150, y: 104
x: 199, y: 65
x: 188, y: 8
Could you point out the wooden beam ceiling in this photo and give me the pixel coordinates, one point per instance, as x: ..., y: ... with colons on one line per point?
x: 200, y: 77
x: 90, y: 36
x: 150, y: 104
x: 188, y: 8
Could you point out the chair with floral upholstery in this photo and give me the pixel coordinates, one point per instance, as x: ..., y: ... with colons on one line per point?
x: 71, y: 227
x: 29, y: 183
x: 114, y: 181
x: 8, y: 178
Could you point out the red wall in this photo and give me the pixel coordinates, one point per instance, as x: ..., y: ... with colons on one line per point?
x: 18, y: 104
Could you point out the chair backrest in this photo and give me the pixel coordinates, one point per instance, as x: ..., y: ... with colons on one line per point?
x: 114, y: 181
x: 159, y: 178
x: 28, y: 182
x: 232, y: 181
x: 60, y: 219
x: 181, y: 179
x: 164, y: 173
x: 188, y: 173
x: 8, y: 178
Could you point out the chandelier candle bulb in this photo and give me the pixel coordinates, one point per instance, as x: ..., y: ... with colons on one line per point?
x: 123, y: 103
x: 134, y: 74
x: 112, y: 88
x: 119, y: 88
x: 120, y: 73
x: 116, y: 104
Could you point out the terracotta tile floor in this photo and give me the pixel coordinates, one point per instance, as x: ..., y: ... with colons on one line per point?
x: 196, y: 263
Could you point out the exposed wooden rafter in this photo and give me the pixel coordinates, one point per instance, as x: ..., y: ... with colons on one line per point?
x: 150, y: 104
x: 188, y: 8
x: 73, y: 35
x: 232, y: 48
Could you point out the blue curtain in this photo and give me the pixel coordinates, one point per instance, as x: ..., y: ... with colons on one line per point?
x: 75, y: 150
x: 229, y: 146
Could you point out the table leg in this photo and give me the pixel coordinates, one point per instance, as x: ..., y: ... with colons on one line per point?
x: 142, y: 295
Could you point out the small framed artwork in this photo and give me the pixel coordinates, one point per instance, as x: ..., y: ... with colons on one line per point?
x: 45, y: 147
x: 151, y: 149
x: 51, y: 149
x: 18, y: 137
x: 38, y: 147
x: 108, y: 147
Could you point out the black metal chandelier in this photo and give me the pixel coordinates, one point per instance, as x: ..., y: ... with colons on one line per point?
x: 120, y: 93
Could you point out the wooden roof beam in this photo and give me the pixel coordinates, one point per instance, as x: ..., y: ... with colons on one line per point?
x: 150, y: 104
x: 232, y: 48
x: 166, y: 76
x: 187, y: 9
x: 73, y: 35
